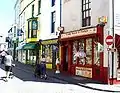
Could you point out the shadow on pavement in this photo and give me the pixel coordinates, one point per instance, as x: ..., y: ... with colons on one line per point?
x: 26, y: 73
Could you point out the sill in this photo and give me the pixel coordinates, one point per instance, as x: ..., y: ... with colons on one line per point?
x: 38, y: 14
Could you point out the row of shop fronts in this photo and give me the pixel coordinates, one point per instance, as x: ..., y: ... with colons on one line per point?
x: 30, y: 53
x: 81, y: 53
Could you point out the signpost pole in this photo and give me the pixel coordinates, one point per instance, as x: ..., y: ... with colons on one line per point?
x: 113, y: 42
x: 110, y: 41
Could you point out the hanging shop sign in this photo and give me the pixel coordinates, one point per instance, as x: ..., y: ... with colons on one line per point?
x: 102, y: 19
x: 79, y: 32
x: 83, y: 71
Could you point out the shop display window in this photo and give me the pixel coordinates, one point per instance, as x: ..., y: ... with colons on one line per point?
x: 96, y: 53
x: 118, y: 59
x: 81, y: 51
x: 89, y: 51
x: 48, y: 53
x: 74, y: 52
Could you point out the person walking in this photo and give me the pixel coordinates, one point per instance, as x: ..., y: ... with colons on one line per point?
x: 43, y: 67
x: 3, y: 54
x: 8, y: 65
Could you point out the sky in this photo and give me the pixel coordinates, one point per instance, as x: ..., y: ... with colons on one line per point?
x: 6, y: 16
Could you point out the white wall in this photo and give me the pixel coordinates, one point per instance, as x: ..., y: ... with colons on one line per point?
x: 45, y: 19
x: 71, y: 15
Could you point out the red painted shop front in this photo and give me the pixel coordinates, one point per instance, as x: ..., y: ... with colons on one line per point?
x: 82, y: 53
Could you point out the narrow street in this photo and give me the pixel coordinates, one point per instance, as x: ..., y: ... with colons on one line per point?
x: 25, y: 82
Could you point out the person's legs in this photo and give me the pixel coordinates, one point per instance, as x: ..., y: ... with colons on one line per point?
x: 7, y: 69
x: 44, y: 71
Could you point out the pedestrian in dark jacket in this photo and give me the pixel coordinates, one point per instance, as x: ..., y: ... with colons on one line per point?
x: 43, y: 67
x: 3, y: 54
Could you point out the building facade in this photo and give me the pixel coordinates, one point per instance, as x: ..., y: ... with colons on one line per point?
x: 28, y: 32
x: 49, y: 22
x: 83, y: 40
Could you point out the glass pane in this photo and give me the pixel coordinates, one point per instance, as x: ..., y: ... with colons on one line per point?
x: 87, y: 6
x: 87, y: 1
x: 88, y: 21
x: 54, y: 16
x: 96, y: 53
x: 84, y: 1
x: 89, y: 51
x: 82, y: 54
x: 84, y: 14
x: 83, y: 7
x: 74, y: 52
x: 87, y: 13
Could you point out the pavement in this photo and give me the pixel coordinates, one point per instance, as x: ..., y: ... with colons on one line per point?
x: 76, y: 80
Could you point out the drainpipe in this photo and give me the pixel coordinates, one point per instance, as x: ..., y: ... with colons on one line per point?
x: 60, y: 11
x: 113, y: 42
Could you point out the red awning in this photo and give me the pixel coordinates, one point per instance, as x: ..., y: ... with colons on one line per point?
x: 117, y: 41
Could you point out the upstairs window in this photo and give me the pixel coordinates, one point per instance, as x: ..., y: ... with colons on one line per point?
x: 33, y: 10
x: 86, y: 13
x: 53, y: 19
x: 53, y: 2
x: 39, y: 6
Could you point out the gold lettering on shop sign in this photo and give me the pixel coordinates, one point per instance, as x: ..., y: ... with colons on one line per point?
x: 49, y: 42
x: 79, y: 32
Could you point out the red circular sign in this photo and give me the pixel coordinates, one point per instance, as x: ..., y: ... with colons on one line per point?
x: 109, y: 40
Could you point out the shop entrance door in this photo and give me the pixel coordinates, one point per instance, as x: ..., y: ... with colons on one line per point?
x: 65, y: 63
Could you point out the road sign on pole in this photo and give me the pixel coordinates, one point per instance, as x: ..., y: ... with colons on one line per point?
x: 109, y: 40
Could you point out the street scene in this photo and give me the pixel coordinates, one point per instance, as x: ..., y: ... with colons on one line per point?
x: 60, y: 46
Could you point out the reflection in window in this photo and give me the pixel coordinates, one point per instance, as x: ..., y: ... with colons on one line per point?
x: 48, y: 53
x: 82, y: 54
x: 89, y: 51
x: 96, y: 53
x: 74, y: 52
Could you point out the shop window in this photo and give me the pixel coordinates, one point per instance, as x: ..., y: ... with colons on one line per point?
x: 48, y: 53
x: 86, y: 13
x: 74, y: 52
x: 118, y: 57
x: 81, y: 52
x: 89, y: 51
x: 96, y: 53
x: 32, y: 53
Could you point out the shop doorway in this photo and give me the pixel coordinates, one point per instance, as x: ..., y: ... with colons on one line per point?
x: 65, y: 63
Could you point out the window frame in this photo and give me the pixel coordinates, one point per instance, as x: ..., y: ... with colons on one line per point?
x: 39, y: 7
x: 53, y: 20
x: 85, y: 51
x: 52, y: 3
x: 33, y: 6
x: 86, y: 20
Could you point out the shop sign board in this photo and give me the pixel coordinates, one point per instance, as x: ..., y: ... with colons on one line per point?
x: 46, y: 42
x: 81, y: 32
x: 109, y: 40
x: 83, y: 71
